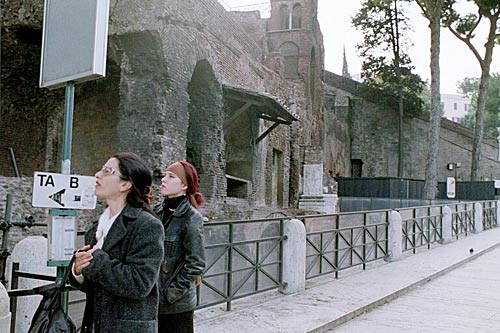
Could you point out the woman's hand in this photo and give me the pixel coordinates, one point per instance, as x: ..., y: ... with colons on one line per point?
x: 83, y: 258
x: 163, y: 270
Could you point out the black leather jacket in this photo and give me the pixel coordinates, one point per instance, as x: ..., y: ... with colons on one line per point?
x: 184, y: 258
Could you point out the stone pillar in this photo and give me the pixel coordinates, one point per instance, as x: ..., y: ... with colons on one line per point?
x: 294, y: 257
x: 395, y: 237
x: 312, y: 197
x: 446, y: 234
x: 313, y: 180
x: 498, y: 214
x: 331, y: 201
x: 4, y: 310
x: 31, y: 254
x: 478, y: 217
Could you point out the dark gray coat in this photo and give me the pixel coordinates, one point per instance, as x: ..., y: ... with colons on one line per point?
x: 184, y: 259
x: 120, y: 282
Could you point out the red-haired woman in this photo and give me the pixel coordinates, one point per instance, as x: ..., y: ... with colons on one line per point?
x: 184, y: 256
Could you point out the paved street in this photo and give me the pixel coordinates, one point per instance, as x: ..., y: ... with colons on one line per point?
x: 464, y: 300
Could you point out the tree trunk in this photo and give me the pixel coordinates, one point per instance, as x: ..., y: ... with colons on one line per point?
x: 479, y: 124
x: 481, y: 98
x: 400, y: 147
x: 434, y: 16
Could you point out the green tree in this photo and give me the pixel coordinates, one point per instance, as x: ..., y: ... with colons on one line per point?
x: 468, y: 86
x: 464, y: 27
x: 492, y: 105
x: 383, y: 24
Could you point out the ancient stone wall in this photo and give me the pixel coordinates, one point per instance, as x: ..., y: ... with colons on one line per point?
x: 151, y: 100
x: 372, y: 131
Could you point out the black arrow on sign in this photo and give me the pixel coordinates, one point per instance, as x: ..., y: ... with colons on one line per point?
x: 57, y: 197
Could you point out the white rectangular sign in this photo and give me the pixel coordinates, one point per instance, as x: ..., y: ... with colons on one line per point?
x: 450, y: 187
x: 62, y: 237
x: 56, y: 190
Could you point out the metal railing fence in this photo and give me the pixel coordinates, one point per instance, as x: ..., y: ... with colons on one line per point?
x: 489, y: 214
x: 75, y: 297
x: 422, y: 226
x: 337, y: 242
x: 243, y: 258
x: 462, y: 218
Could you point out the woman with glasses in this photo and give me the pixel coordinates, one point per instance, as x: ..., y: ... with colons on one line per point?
x: 184, y: 260
x: 119, y: 266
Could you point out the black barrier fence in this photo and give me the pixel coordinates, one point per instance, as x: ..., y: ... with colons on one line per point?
x: 402, y: 188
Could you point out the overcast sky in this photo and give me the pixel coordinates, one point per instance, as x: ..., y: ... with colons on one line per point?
x: 457, y: 61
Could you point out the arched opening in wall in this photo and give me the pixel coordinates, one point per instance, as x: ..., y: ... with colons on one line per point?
x: 205, y: 144
x: 297, y: 17
x: 95, y: 121
x: 290, y: 53
x: 284, y: 17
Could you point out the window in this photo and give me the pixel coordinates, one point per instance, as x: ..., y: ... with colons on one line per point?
x: 297, y: 17
x: 290, y: 53
x: 356, y: 168
x: 284, y: 17
x: 455, y: 106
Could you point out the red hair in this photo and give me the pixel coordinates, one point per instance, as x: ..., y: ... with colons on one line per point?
x: 192, y: 184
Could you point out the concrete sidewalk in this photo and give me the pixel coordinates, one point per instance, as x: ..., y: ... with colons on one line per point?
x: 328, y: 302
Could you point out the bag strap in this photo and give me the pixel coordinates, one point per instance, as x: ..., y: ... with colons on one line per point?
x: 67, y: 272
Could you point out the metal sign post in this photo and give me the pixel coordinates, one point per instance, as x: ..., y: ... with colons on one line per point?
x: 65, y: 169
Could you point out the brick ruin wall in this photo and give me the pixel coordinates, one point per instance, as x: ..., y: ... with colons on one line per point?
x: 370, y: 133
x: 152, y: 60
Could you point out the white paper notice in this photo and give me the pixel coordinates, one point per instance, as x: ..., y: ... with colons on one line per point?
x: 63, y: 237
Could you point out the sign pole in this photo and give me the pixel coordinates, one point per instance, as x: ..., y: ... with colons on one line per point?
x: 65, y: 169
x: 68, y: 128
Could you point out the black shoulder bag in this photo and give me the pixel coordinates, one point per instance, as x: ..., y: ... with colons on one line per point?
x: 50, y: 317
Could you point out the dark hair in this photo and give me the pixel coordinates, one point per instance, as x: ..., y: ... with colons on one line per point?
x: 195, y: 197
x: 134, y: 169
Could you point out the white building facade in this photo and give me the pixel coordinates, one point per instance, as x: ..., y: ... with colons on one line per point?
x: 455, y: 107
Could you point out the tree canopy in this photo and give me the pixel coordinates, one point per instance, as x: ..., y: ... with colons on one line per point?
x: 492, y: 106
x: 465, y: 27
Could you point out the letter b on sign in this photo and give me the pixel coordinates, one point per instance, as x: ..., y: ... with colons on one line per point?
x: 73, y: 182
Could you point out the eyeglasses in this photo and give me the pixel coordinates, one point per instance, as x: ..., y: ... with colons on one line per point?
x: 106, y: 170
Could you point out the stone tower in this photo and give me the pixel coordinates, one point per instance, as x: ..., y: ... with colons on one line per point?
x: 295, y: 46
